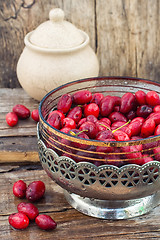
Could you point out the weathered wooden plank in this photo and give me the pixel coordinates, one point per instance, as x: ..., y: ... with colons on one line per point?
x: 125, y: 34
x: 71, y: 223
x: 128, y: 38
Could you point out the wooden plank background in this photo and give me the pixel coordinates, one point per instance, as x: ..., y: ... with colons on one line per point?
x: 125, y: 34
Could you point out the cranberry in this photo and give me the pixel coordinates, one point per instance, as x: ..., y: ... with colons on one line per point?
x: 75, y: 113
x: 103, y: 135
x: 82, y: 97
x: 96, y: 98
x: 65, y: 129
x: 117, y: 116
x: 155, y: 117
x: 135, y: 127
x: 35, y: 191
x: 106, y: 149
x: 106, y: 106
x: 156, y: 109
x: 18, y: 220
x: 45, y: 222
x: 131, y: 115
x: 80, y: 145
x: 100, y: 125
x: 140, y: 97
x: 29, y: 209
x: 91, y: 109
x: 121, y: 136
x: 144, y: 111
x: 35, y: 115
x: 117, y: 100
x: 62, y: 116
x: 64, y: 103
x: 128, y: 102
x: 106, y: 120
x: 90, y: 128
x: 134, y: 155
x: 11, y: 119
x: 19, y: 189
x: 68, y: 122
x: 81, y: 121
x: 152, y: 98
x: 54, y: 120
x: 91, y: 118
x: 148, y: 128
x: 21, y: 111
x: 157, y: 130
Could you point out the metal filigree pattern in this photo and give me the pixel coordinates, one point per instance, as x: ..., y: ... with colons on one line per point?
x: 104, y: 182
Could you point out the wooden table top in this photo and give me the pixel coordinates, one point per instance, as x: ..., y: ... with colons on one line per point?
x: 19, y: 160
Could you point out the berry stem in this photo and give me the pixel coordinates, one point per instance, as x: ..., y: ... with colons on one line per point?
x: 121, y: 126
x: 76, y: 134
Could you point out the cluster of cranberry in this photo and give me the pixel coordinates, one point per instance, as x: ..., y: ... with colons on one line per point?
x: 20, y: 111
x: 111, y: 118
x: 28, y: 211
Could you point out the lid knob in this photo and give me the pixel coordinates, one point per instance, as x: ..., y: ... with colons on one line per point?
x: 56, y: 15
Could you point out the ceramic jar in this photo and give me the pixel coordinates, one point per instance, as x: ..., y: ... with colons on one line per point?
x: 55, y: 53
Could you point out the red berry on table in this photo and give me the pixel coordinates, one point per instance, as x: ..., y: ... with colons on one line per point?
x: 152, y: 98
x: 29, y: 209
x: 35, y: 115
x: 91, y: 109
x: 45, y: 222
x: 11, y: 119
x: 18, y: 220
x: 140, y: 97
x: 21, y: 111
x: 35, y: 191
x: 19, y: 189
x: 65, y: 102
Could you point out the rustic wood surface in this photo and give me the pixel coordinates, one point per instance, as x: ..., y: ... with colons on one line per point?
x: 125, y: 34
x: 71, y: 224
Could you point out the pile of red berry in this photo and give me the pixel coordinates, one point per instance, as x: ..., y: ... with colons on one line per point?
x: 28, y: 211
x: 110, y: 118
x: 20, y: 111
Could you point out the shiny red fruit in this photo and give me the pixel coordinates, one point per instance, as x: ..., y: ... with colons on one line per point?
x: 29, y: 209
x: 90, y: 129
x: 96, y: 98
x: 140, y: 97
x: 19, y: 189
x: 144, y: 111
x: 35, y: 115
x: 18, y: 220
x: 156, y: 109
x: 11, y: 119
x: 64, y: 104
x: 148, y: 128
x: 152, y: 98
x: 106, y: 106
x: 55, y: 121
x: 45, y: 222
x: 21, y: 111
x: 75, y: 113
x: 91, y: 109
x: 128, y: 102
x: 121, y: 136
x: 68, y: 122
x: 82, y: 97
x: 35, y: 191
x: 62, y: 116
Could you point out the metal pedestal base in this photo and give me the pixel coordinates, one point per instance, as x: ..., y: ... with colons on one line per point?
x: 113, y: 209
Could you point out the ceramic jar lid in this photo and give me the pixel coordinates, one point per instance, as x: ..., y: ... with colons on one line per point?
x: 56, y: 33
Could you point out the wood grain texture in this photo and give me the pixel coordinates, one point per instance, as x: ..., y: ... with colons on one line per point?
x: 70, y: 223
x: 18, y: 143
x: 125, y: 34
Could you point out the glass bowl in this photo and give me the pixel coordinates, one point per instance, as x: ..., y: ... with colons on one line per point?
x: 111, y: 184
